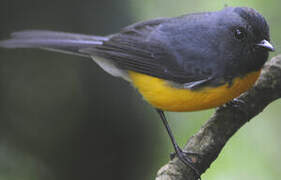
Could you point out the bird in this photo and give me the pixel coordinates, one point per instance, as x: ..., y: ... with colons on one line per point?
x: 187, y: 63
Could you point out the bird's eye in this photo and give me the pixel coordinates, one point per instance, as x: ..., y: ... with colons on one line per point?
x: 240, y: 33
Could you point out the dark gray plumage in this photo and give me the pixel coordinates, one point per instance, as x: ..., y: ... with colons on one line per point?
x: 200, y: 47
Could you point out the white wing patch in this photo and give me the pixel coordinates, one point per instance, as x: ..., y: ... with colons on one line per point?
x: 109, y: 67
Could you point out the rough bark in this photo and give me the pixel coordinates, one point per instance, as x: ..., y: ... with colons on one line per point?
x: 213, y: 135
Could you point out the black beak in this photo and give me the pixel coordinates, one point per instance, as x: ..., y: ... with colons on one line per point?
x: 265, y: 44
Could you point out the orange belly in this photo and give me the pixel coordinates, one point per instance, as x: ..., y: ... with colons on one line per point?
x: 160, y: 94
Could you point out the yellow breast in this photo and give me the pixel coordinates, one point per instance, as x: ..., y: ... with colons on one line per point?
x: 160, y: 94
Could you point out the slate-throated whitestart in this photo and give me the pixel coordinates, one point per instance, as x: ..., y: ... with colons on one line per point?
x: 186, y: 63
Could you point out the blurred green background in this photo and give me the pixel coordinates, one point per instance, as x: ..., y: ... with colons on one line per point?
x: 61, y: 117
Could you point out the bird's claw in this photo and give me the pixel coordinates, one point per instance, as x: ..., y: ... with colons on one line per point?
x: 235, y: 102
x: 188, y: 158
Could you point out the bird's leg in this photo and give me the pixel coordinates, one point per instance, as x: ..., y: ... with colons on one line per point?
x: 183, y: 156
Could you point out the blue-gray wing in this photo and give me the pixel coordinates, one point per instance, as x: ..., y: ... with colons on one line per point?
x: 143, y: 49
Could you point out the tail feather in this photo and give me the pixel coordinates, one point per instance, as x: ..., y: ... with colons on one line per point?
x: 55, y: 34
x: 52, y: 40
x: 67, y: 43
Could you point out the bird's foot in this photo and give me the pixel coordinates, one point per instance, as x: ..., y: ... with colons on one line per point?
x: 235, y: 102
x: 188, y: 158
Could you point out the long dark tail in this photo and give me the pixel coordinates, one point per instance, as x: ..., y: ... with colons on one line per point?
x: 69, y: 43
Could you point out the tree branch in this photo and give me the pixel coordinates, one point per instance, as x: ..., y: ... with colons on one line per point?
x: 213, y: 135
